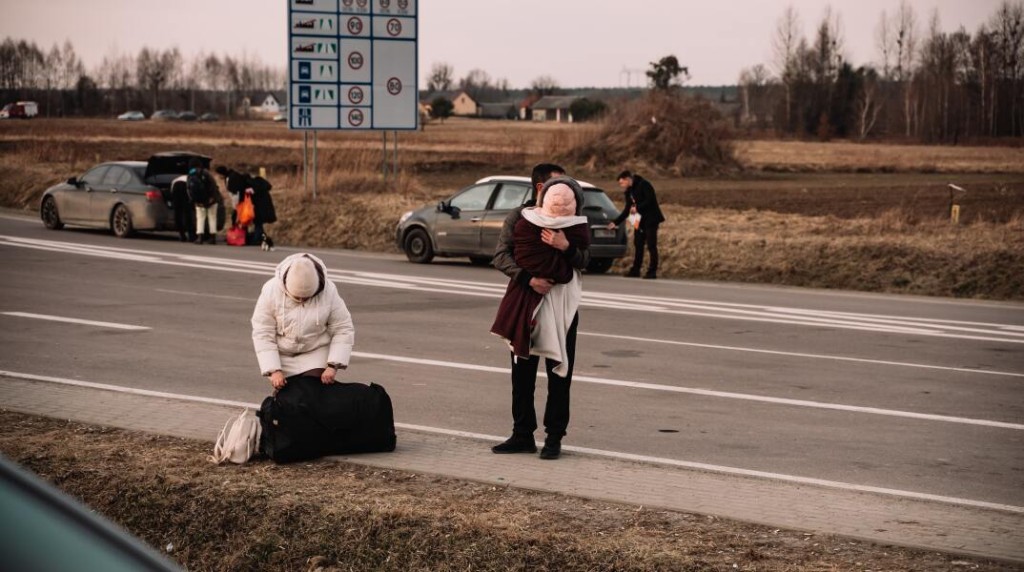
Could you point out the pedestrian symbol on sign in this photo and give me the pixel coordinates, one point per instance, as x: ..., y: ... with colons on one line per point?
x: 305, y: 117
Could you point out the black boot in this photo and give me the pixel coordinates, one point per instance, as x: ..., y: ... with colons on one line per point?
x: 516, y: 444
x: 552, y: 448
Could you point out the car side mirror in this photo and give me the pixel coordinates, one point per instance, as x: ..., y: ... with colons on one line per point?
x: 73, y: 181
x: 442, y: 207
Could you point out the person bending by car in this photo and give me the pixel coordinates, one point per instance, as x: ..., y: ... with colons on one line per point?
x: 524, y: 371
x: 202, y: 192
x: 641, y: 200
x: 301, y: 326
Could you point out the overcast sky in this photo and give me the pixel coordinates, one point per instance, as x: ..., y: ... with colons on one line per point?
x: 579, y: 43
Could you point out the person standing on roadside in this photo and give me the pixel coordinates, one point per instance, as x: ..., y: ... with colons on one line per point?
x: 641, y: 200
x: 202, y: 192
x: 184, y: 212
x: 524, y: 371
x: 301, y: 327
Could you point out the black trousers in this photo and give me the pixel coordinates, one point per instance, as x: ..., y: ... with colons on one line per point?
x: 524, y: 381
x: 645, y: 235
x: 185, y: 219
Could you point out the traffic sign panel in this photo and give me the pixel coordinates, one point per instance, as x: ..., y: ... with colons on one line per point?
x: 357, y: 58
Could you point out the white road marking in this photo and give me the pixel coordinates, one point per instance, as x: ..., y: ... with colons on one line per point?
x: 802, y: 355
x: 711, y: 393
x: 75, y: 321
x: 584, y: 450
x: 1002, y: 333
x: 204, y: 295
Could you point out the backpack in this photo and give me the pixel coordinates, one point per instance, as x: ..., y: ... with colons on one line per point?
x: 198, y: 189
x: 238, y: 440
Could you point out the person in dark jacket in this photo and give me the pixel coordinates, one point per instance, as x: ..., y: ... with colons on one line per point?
x: 524, y: 371
x: 184, y: 214
x: 202, y: 192
x: 236, y: 183
x: 641, y: 200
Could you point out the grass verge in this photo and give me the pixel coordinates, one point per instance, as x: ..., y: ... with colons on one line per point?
x: 333, y: 516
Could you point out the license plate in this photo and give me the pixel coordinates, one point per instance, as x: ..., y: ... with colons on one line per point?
x: 604, y: 233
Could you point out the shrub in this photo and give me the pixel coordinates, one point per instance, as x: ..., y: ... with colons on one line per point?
x: 676, y: 133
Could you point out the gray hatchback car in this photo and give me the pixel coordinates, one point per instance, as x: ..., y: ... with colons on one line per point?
x: 469, y: 223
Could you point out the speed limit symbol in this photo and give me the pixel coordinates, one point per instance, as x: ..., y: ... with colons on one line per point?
x: 395, y: 27
x: 355, y: 95
x: 355, y: 117
x: 394, y: 86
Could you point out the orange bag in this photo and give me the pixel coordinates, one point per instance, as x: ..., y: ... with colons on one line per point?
x: 245, y: 213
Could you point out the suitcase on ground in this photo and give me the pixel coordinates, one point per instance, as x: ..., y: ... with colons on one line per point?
x: 307, y: 420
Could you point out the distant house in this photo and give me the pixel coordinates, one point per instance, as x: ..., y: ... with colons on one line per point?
x: 264, y: 103
x: 553, y: 108
x: 462, y: 103
x: 505, y: 110
x: 525, y: 111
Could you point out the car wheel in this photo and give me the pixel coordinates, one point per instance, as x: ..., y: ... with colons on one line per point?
x: 480, y: 260
x: 600, y: 265
x: 48, y: 212
x: 121, y: 222
x: 417, y: 246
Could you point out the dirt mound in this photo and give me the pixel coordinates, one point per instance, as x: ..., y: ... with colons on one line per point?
x: 662, y: 131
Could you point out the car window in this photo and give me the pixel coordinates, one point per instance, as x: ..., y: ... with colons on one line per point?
x: 117, y: 176
x: 510, y: 196
x: 95, y: 175
x: 597, y: 198
x: 474, y: 198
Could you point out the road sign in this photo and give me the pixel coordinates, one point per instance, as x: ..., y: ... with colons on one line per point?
x: 352, y: 64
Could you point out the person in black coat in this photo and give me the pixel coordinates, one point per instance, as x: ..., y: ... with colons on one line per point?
x: 641, y: 199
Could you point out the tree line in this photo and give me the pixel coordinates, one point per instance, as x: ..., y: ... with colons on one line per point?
x: 149, y: 80
x: 931, y: 86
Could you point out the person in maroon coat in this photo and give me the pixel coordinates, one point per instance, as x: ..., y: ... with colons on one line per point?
x: 543, y: 325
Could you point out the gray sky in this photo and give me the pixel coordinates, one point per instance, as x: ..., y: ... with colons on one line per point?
x: 579, y: 43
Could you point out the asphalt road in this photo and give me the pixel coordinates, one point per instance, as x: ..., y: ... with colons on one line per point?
x: 921, y: 396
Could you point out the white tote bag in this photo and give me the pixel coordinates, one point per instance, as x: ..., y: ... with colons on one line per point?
x: 238, y: 440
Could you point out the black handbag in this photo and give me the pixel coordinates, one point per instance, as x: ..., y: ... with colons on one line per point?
x: 307, y: 419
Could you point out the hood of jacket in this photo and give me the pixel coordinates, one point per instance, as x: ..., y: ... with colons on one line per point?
x: 573, y: 184
x: 321, y: 269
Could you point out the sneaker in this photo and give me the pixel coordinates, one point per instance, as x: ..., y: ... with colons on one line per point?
x: 552, y: 449
x: 515, y: 444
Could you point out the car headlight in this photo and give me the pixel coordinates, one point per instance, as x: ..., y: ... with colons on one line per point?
x: 405, y: 217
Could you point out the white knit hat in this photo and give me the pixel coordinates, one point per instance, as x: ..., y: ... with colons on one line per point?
x: 302, y: 280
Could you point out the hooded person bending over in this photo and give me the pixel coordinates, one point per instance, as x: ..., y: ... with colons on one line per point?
x: 301, y: 326
x: 532, y: 323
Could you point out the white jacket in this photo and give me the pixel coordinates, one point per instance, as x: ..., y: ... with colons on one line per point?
x: 299, y: 336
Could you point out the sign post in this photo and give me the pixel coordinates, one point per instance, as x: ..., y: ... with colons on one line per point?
x: 352, y: 65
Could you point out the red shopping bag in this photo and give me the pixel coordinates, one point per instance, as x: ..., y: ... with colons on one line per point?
x: 236, y: 236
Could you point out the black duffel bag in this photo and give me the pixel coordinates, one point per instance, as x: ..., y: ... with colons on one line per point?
x: 308, y: 419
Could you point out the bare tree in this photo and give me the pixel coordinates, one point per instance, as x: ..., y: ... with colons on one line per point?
x: 867, y: 104
x: 905, y: 29
x: 885, y: 43
x: 441, y: 78
x: 784, y: 45
x: 544, y: 85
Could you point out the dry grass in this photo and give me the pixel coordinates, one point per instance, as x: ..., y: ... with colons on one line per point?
x: 337, y: 516
x: 856, y: 157
x: 821, y: 224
